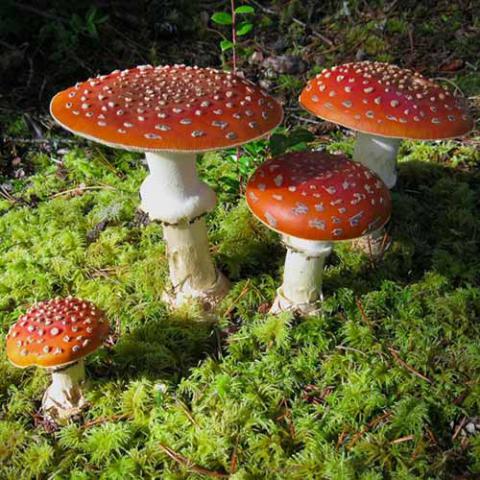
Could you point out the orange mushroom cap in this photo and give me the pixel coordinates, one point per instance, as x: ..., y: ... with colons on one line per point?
x: 56, y: 333
x: 318, y: 196
x: 176, y: 108
x: 386, y: 100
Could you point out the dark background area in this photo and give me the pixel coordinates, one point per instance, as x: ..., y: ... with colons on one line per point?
x: 48, y: 45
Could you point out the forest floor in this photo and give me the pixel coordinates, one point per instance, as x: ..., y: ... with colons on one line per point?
x: 384, y: 384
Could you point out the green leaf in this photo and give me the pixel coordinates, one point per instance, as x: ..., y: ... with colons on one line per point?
x: 300, y: 135
x: 226, y: 45
x: 222, y: 18
x: 244, y: 28
x: 278, y: 144
x: 244, y: 9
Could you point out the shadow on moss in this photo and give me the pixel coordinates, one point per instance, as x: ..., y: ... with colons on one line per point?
x: 434, y: 227
x: 165, y: 347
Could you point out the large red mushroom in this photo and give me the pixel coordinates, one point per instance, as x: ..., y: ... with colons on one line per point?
x: 172, y: 113
x: 314, y: 199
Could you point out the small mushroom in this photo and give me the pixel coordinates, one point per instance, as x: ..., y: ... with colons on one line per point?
x: 173, y: 113
x: 314, y: 199
x: 384, y: 104
x: 57, y: 335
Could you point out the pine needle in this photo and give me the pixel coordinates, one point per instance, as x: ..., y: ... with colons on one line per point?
x: 189, y: 465
x: 404, y: 364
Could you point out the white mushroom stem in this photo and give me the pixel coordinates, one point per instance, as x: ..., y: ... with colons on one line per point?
x: 301, y: 290
x: 64, y: 398
x: 379, y: 154
x: 173, y: 194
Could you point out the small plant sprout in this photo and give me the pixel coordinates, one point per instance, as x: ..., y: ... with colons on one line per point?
x: 239, y: 28
x: 384, y: 104
x: 173, y: 113
x: 314, y: 199
x: 57, y: 335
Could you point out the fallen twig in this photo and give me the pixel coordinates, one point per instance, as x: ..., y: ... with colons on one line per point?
x: 234, y: 459
x: 363, y: 314
x: 187, y: 412
x: 235, y: 302
x: 295, y: 20
x: 100, y: 420
x: 189, y: 465
x: 77, y: 190
x: 372, y: 424
x: 407, y: 438
x: 307, y: 120
x: 350, y: 349
x: 38, y: 140
x: 459, y: 427
x: 7, y: 196
x: 405, y: 365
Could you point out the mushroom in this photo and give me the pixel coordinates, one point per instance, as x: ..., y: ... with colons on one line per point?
x: 172, y: 113
x: 57, y: 335
x: 314, y: 199
x: 384, y: 104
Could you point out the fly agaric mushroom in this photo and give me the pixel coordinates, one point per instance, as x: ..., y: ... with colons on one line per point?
x: 384, y: 104
x: 314, y: 199
x: 57, y: 335
x: 172, y: 113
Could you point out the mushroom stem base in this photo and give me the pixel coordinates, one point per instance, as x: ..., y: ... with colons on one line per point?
x: 301, y: 290
x: 192, y: 272
x: 63, y: 398
x: 378, y: 154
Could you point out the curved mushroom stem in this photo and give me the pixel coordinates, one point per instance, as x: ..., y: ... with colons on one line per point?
x: 378, y: 154
x: 174, y: 194
x: 301, y: 290
x: 63, y: 398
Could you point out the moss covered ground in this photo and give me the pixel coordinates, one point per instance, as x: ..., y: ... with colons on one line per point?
x: 373, y: 385
x: 382, y: 385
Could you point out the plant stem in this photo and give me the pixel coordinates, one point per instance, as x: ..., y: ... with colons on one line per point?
x: 234, y: 61
x: 234, y: 37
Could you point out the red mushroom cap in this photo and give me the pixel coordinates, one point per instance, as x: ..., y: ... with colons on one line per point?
x: 56, y: 333
x: 386, y: 100
x: 318, y: 196
x: 175, y: 108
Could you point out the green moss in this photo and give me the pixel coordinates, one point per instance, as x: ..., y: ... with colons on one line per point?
x: 367, y: 36
x: 290, y: 399
x: 367, y: 390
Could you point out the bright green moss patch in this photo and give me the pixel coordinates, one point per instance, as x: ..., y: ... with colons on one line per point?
x: 367, y: 390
